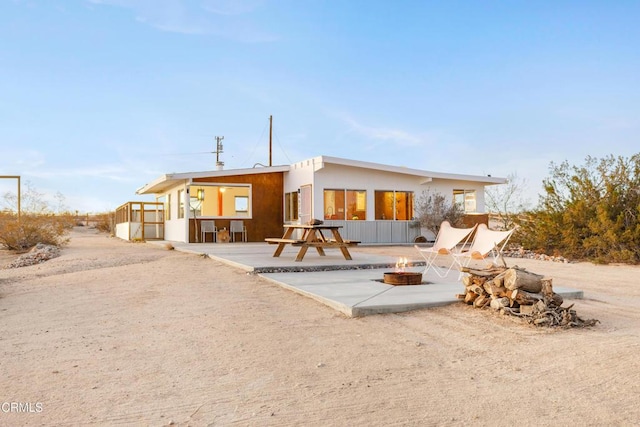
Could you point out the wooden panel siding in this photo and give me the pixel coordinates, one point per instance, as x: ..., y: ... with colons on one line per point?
x: 267, y: 201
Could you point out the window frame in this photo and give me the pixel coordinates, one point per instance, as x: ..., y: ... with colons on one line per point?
x: 411, y: 205
x: 209, y: 189
x: 352, y: 209
x: 181, y: 212
x: 291, y: 206
x: 468, y: 197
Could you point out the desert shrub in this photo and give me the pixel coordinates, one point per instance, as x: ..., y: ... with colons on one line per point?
x: 32, y: 229
x: 105, y: 222
x: 41, y: 221
x: 588, y: 212
x: 432, y: 208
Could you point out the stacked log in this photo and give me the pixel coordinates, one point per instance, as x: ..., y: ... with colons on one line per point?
x: 518, y: 292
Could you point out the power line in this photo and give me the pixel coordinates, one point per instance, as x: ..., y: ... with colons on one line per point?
x: 282, y: 148
x: 255, y: 146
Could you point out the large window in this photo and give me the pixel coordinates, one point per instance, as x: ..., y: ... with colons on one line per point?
x: 345, y: 204
x: 395, y: 205
x: 180, y: 203
x: 466, y: 199
x: 291, y: 206
x: 221, y: 200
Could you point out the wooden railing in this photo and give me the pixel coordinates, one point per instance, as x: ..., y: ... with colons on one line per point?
x: 140, y: 221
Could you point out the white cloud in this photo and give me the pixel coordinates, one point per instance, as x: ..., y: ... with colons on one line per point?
x: 17, y: 160
x: 383, y: 134
x: 107, y: 172
x: 231, y: 7
x: 226, y: 19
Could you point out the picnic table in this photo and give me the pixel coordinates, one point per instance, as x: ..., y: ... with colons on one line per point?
x: 312, y: 237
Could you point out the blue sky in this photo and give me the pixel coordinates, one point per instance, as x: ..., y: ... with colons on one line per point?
x: 99, y: 97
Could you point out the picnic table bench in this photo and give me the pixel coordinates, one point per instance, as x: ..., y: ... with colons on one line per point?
x: 274, y: 240
x: 312, y: 237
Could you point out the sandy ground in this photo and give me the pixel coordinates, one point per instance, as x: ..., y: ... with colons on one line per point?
x: 118, y: 333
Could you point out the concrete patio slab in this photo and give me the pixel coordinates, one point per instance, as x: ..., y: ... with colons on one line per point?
x: 353, y: 287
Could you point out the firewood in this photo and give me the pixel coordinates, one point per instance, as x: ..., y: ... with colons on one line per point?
x: 557, y: 300
x: 547, y: 288
x: 476, y: 289
x: 523, y: 297
x: 499, y: 303
x: 517, y: 292
x: 498, y: 291
x: 516, y: 278
x: 470, y: 297
x: 481, y: 301
x: 540, y: 306
x: 487, y: 286
x: 485, y: 272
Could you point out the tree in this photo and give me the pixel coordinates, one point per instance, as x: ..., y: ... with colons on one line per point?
x: 432, y: 208
x: 507, y: 200
x: 33, y: 201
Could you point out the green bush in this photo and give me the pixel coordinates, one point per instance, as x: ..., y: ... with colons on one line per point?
x: 591, y: 212
x: 32, y: 229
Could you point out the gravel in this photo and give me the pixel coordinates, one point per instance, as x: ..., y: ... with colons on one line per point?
x: 37, y: 255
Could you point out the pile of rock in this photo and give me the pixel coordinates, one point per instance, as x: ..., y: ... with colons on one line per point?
x: 520, y: 252
x: 37, y: 255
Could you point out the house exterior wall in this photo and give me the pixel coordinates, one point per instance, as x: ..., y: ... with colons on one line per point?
x: 269, y: 187
x: 300, y: 174
x: 267, y: 205
x: 175, y: 228
x: 351, y: 178
x: 336, y: 177
x: 266, y: 208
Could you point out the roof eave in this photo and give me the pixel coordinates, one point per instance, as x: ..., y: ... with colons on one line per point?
x: 170, y: 180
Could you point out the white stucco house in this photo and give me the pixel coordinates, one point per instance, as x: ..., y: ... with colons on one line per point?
x: 374, y: 203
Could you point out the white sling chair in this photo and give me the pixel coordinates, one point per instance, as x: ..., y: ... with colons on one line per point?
x: 446, y: 242
x: 485, y: 243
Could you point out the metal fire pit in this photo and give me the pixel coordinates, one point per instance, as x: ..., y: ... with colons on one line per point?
x: 402, y: 278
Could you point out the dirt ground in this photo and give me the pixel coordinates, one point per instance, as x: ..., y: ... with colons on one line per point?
x: 119, y: 333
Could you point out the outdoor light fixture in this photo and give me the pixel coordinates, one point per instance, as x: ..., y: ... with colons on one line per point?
x: 201, y: 194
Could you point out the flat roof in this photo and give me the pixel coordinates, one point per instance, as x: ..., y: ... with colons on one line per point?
x: 321, y: 160
x: 169, y: 180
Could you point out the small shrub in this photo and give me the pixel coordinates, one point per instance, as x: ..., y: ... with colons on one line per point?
x: 105, y: 221
x: 32, y: 229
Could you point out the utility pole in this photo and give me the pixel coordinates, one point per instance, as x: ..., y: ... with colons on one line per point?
x: 219, y: 164
x: 270, y: 138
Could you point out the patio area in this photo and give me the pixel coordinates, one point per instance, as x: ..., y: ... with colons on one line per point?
x: 352, y: 287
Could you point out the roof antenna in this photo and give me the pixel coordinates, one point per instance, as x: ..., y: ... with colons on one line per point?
x: 219, y: 164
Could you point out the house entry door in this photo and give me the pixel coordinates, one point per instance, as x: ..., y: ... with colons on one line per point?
x: 306, y: 210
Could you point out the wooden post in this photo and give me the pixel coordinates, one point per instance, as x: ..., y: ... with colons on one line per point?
x: 270, y: 136
x: 18, y: 178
